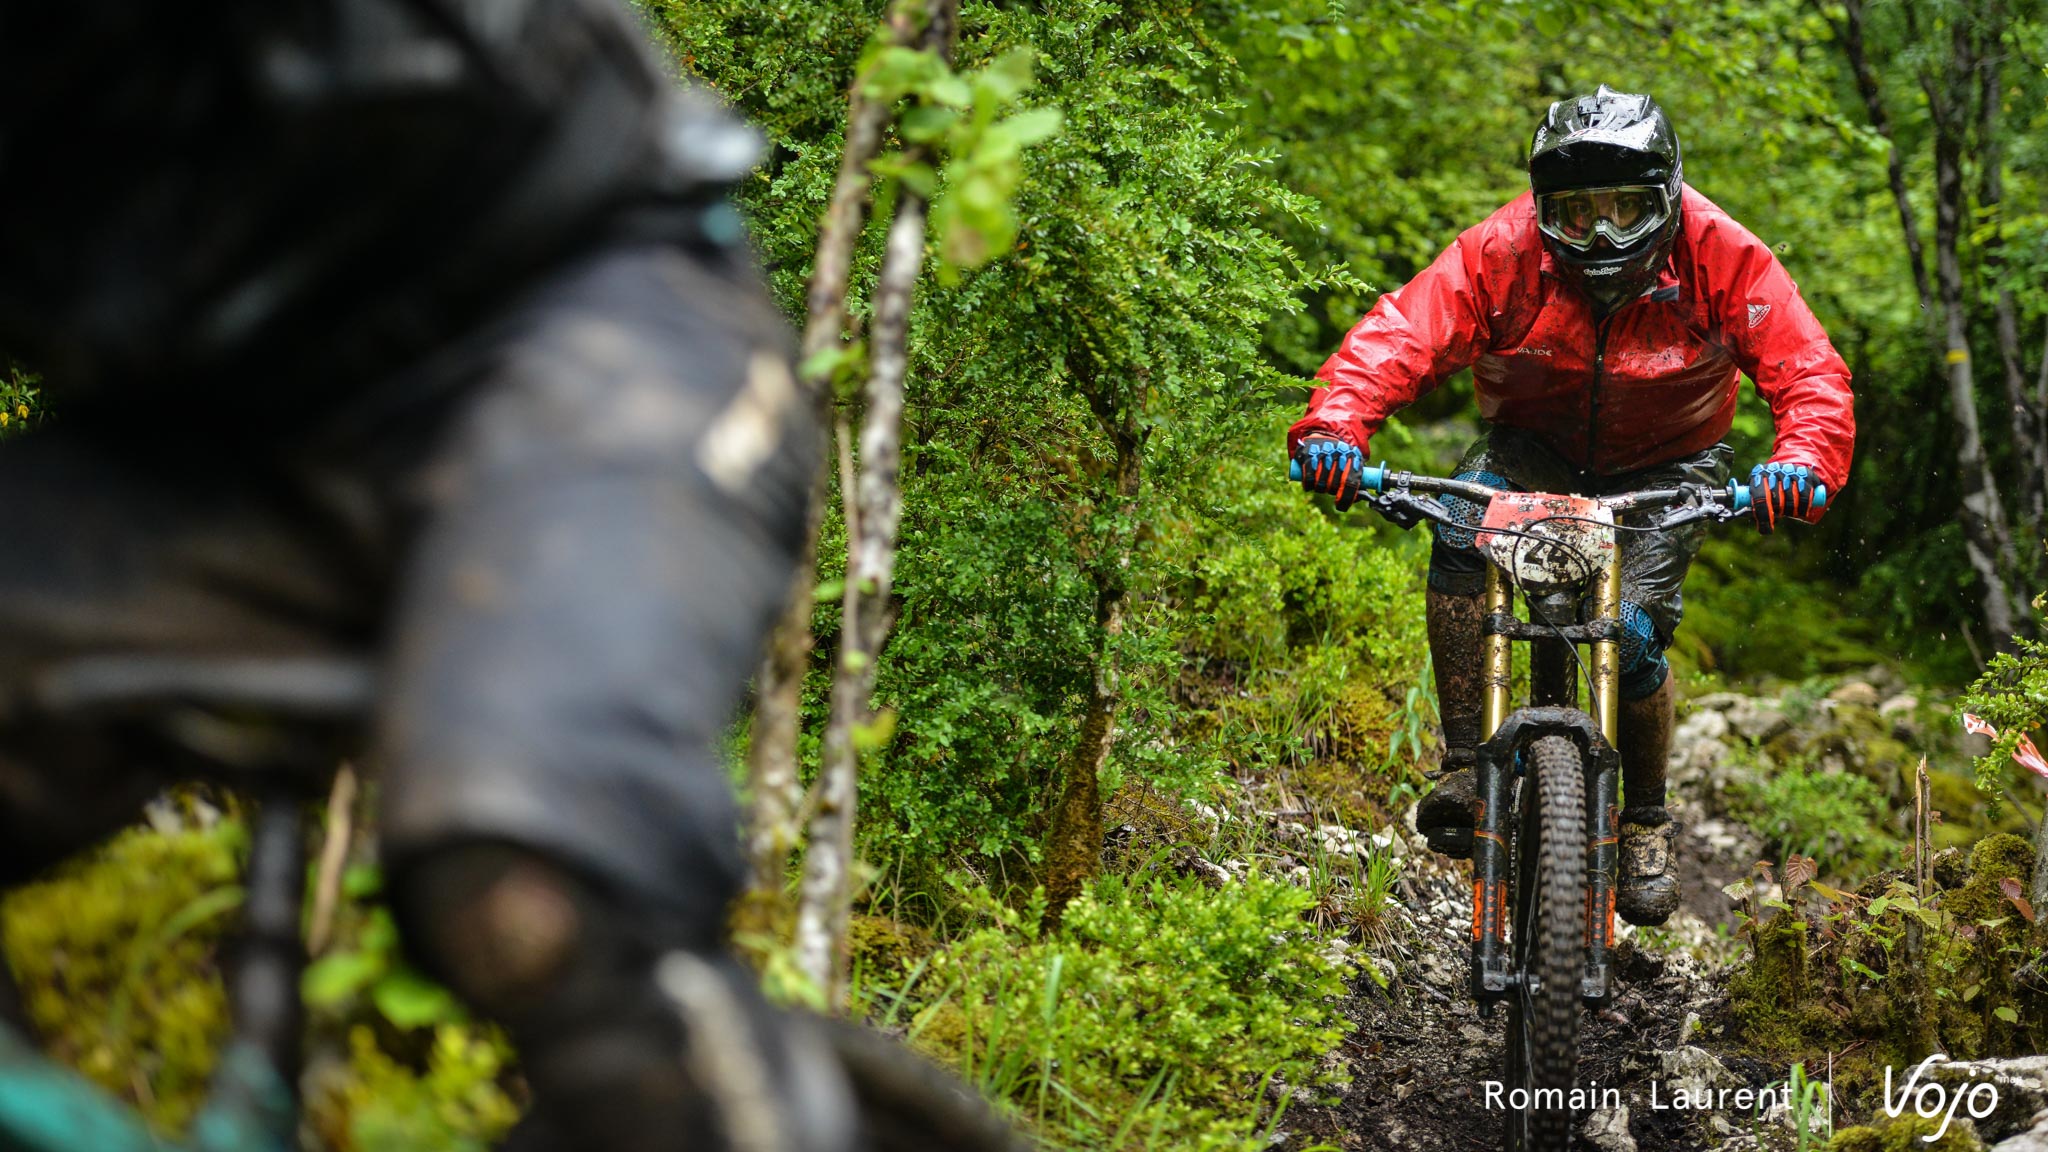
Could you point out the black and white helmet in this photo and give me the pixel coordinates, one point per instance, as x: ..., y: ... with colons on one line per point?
x: 1607, y: 174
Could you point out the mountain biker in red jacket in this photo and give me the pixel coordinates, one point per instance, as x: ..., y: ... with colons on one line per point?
x: 1607, y: 316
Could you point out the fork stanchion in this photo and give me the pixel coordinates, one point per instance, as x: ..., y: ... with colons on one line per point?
x: 1490, y: 827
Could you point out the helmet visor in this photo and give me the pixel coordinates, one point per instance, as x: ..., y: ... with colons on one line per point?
x: 1623, y: 214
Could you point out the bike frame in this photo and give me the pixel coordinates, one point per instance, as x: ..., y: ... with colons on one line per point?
x: 1553, y: 710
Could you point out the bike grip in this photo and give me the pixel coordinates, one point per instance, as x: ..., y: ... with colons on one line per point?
x: 1739, y: 494
x: 1373, y: 477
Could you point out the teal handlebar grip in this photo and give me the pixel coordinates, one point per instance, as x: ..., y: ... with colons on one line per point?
x: 1739, y: 496
x: 1373, y: 478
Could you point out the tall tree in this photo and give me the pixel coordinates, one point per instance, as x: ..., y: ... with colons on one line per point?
x: 874, y: 510
x: 778, y: 687
x: 1955, y: 75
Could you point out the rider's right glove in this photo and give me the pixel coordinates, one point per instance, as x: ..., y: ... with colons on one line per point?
x: 1331, y: 465
x: 1780, y: 492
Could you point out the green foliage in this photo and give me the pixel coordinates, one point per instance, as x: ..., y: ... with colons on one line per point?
x: 21, y: 399
x: 1840, y: 819
x: 1149, y: 1021
x: 436, y: 1081
x: 2013, y: 696
x: 116, y: 956
x: 1890, y: 970
x: 367, y: 967
x: 455, y: 1105
x: 973, y: 216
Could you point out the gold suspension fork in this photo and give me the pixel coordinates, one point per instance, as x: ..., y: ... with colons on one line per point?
x: 1607, y: 653
x: 1495, y: 663
x: 1490, y: 974
x: 1602, y: 852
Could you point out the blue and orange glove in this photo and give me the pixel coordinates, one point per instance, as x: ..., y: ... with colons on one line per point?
x: 1780, y: 492
x: 1331, y: 465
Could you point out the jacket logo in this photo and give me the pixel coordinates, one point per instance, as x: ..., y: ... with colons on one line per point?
x: 1757, y: 312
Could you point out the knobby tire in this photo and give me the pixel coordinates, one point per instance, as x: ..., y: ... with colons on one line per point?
x: 1548, y: 943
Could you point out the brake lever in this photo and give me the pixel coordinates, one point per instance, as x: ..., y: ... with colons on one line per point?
x: 1690, y: 513
x: 1407, y: 509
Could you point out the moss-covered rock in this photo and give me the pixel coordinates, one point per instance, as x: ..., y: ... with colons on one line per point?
x: 1996, y: 858
x: 1910, y: 1134
x: 115, y: 953
x: 1772, y: 996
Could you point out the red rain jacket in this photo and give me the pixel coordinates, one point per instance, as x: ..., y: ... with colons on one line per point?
x: 1656, y: 381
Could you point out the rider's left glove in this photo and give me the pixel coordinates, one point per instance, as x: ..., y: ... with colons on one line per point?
x: 1780, y: 492
x: 1333, y: 466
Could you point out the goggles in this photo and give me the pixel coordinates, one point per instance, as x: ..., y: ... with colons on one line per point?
x: 1624, y: 214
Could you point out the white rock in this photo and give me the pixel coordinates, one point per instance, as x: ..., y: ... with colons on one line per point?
x: 1758, y: 720
x: 1607, y: 1130
x: 1856, y: 693
x: 1690, y: 1028
x: 1701, y: 726
x: 2022, y: 1084
x: 2034, y: 1139
x: 1904, y: 703
x: 1338, y: 840
x: 1695, y: 1071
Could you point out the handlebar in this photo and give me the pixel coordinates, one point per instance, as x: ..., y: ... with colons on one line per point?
x: 1376, y: 478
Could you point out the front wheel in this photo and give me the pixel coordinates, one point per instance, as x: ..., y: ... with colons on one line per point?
x: 1549, y: 948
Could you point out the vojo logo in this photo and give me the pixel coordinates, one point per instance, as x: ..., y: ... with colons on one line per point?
x: 1932, y: 1098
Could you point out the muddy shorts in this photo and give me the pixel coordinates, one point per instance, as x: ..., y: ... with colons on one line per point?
x: 1653, y: 564
x: 565, y: 536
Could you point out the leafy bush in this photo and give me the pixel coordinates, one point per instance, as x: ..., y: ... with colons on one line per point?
x: 1837, y: 818
x: 2013, y: 696
x: 1150, y: 1020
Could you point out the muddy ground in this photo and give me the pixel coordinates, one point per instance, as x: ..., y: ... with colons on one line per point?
x: 1420, y: 1055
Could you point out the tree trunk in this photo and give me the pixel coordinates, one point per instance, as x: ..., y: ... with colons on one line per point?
x: 1074, y: 845
x: 778, y: 687
x: 873, y: 517
x: 1983, y: 514
x: 2031, y: 490
x: 1850, y: 33
x: 2041, y: 442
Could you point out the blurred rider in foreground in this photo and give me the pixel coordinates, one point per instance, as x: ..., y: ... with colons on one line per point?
x: 1607, y: 315
x: 422, y: 327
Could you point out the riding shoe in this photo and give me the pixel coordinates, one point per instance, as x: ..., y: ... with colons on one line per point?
x: 1445, y: 817
x: 1649, y: 889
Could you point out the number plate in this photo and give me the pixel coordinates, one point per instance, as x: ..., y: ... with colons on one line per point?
x: 1548, y: 543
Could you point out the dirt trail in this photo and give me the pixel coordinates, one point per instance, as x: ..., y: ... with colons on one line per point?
x: 1420, y: 1055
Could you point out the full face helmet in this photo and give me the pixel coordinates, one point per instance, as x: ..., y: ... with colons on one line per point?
x: 1607, y: 173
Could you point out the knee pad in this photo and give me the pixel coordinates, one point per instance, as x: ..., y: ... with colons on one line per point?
x: 1643, y: 667
x: 1454, y: 567
x: 1467, y: 513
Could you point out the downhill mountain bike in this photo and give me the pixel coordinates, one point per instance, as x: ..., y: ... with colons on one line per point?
x: 1544, y: 852
x: 275, y: 730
